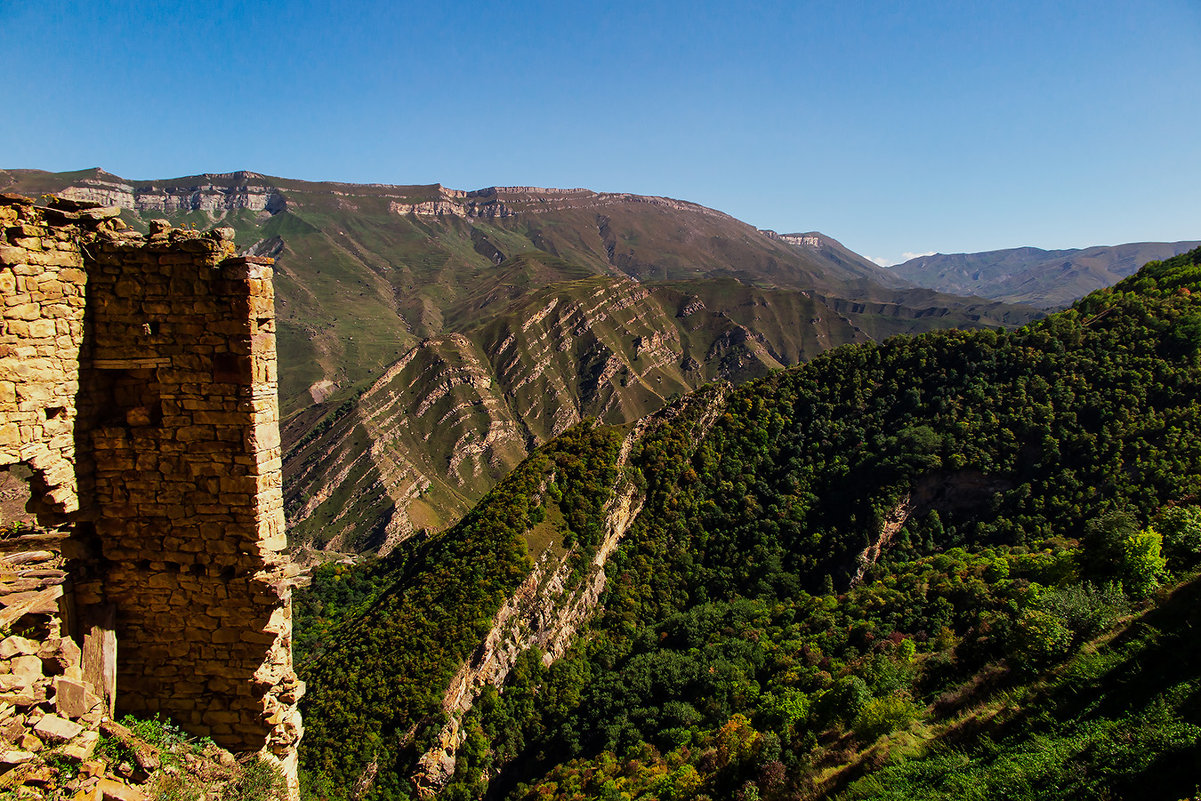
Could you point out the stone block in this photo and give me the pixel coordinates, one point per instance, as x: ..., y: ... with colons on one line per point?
x: 25, y: 311
x: 226, y: 636
x: 111, y: 790
x: 42, y: 329
x: 26, y: 669
x: 82, y: 747
x: 56, y: 258
x: 71, y: 698
x: 17, y: 646
x: 12, y: 729
x: 54, y: 729
x: 15, y: 756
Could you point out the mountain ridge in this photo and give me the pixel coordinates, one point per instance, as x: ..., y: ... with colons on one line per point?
x: 1030, y: 275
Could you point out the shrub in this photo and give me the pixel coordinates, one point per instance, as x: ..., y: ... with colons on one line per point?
x: 1143, y: 564
x: 1038, y: 638
x: 1085, y: 608
x: 884, y: 715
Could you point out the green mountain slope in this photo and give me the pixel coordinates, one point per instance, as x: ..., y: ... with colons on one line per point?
x: 901, y: 568
x: 430, y: 337
x: 1044, y: 278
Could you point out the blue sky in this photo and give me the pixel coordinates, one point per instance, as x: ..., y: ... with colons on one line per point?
x: 896, y: 127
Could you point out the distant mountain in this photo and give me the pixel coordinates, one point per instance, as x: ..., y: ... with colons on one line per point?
x: 1044, y: 278
x: 429, y: 337
x: 841, y: 259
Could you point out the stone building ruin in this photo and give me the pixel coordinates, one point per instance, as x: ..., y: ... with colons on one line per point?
x: 139, y: 417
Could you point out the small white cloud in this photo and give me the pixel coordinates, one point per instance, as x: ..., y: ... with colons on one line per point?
x: 908, y: 256
x: 880, y: 261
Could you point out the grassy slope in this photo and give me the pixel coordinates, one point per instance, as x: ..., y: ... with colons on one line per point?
x: 1120, y: 720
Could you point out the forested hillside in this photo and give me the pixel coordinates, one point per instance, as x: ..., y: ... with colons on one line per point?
x: 940, y: 565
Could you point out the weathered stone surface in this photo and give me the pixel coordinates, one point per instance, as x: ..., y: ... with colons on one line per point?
x: 15, y: 756
x: 53, y: 729
x: 82, y: 747
x: 115, y: 791
x: 26, y: 669
x: 12, y: 729
x: 17, y: 646
x: 71, y: 698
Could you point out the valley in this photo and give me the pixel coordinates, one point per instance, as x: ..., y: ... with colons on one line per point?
x: 944, y: 564
x: 601, y: 495
x: 430, y: 338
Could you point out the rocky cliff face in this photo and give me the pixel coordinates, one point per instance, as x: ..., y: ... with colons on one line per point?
x: 454, y: 414
x: 548, y: 608
x: 243, y: 190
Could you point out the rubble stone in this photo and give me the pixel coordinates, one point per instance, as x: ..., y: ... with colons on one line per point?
x: 115, y: 791
x: 52, y: 728
x: 15, y: 756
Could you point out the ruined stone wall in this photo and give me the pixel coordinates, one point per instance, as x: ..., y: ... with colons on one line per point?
x: 137, y: 380
x: 42, y: 285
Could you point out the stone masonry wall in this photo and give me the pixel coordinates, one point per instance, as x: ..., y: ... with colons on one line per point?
x: 137, y: 381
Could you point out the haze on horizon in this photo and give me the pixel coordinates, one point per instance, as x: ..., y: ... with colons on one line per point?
x: 897, y: 128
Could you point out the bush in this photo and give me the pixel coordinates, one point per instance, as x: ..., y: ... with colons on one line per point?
x: 1038, y: 639
x: 1143, y: 564
x: 1085, y: 608
x: 884, y: 715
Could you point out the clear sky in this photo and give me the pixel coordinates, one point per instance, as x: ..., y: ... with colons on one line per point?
x: 896, y: 127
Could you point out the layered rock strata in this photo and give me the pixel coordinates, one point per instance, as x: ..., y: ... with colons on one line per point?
x: 547, y: 610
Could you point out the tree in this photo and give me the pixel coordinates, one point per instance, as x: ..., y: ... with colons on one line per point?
x: 1181, y: 530
x: 1143, y: 565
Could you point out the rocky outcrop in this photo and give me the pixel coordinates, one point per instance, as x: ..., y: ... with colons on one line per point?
x: 893, y: 522
x: 215, y: 194
x: 942, y: 491
x: 509, y: 201
x: 429, y: 208
x: 455, y: 413
x: 548, y: 608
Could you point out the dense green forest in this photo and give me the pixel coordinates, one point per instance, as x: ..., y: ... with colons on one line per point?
x: 955, y: 564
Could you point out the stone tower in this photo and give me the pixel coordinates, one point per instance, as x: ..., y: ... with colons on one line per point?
x: 138, y: 393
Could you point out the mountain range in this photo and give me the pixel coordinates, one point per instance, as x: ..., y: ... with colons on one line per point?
x: 1047, y: 279
x: 429, y: 338
x: 652, y: 504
